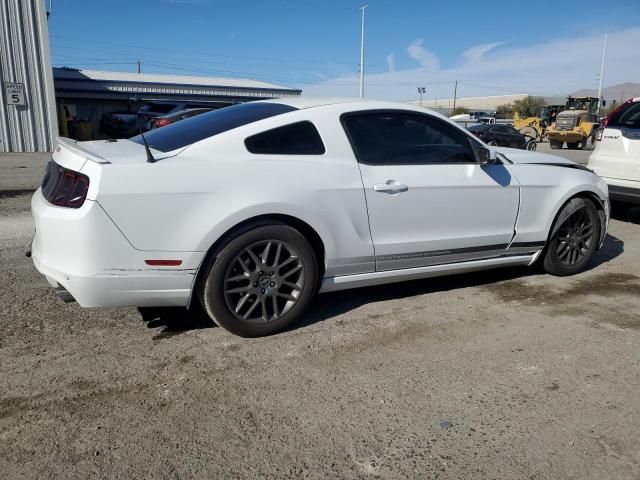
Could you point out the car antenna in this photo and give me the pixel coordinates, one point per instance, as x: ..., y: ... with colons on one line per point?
x: 150, y: 158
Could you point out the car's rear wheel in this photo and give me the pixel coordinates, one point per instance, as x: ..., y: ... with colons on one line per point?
x: 261, y: 281
x: 531, y: 145
x: 493, y: 143
x: 574, y: 238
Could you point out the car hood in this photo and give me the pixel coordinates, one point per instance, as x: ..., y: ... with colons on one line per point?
x: 527, y: 157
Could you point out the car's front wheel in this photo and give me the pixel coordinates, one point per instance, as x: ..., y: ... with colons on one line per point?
x: 261, y: 281
x: 574, y: 238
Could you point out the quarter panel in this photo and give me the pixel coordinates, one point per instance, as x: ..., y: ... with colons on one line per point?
x: 544, y: 190
x: 187, y: 202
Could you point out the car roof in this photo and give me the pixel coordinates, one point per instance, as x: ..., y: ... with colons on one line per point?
x: 356, y: 103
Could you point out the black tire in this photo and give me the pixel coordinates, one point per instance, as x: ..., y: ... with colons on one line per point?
x: 569, y: 250
x: 493, y: 143
x: 572, y: 145
x: 531, y: 145
x: 590, y: 142
x: 555, y: 144
x: 216, y: 300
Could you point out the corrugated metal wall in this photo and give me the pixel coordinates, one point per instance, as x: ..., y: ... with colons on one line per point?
x: 25, y: 58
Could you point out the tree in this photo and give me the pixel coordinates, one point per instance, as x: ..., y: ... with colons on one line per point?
x: 504, y: 111
x: 528, y: 106
x: 459, y: 111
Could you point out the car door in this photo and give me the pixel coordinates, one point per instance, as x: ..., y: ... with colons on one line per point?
x: 500, y: 136
x: 517, y: 139
x: 429, y: 202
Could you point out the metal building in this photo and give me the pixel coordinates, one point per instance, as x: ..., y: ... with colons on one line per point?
x: 28, y: 120
x: 88, y: 94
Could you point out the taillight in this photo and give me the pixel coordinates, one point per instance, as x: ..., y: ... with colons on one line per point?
x: 64, y: 187
x: 161, y: 122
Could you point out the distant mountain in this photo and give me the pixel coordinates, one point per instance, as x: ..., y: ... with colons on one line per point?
x: 622, y: 91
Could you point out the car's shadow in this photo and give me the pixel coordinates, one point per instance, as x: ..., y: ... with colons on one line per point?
x: 175, y: 320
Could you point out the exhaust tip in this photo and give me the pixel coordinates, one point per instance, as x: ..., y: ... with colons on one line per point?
x: 64, y: 295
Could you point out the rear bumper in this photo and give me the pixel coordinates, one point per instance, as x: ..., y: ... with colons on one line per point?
x: 624, y: 194
x: 623, y: 190
x: 83, y: 251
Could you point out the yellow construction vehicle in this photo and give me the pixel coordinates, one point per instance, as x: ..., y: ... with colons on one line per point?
x: 577, y: 125
x: 536, y: 127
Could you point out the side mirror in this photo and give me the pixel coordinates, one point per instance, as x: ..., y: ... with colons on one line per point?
x: 481, y: 154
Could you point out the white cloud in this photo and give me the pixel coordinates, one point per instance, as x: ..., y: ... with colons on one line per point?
x: 423, y: 56
x: 559, y: 66
x: 391, y: 62
x: 477, y: 52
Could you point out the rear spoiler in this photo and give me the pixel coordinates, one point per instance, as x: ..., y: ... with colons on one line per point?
x: 72, y: 145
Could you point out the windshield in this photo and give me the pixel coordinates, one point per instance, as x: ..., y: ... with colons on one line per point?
x: 194, y: 129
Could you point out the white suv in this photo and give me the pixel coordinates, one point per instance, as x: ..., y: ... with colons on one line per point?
x: 616, y: 157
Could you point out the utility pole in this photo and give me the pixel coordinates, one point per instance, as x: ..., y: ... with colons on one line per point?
x: 421, y: 90
x: 362, y: 53
x: 455, y: 95
x: 604, y: 53
x: 139, y: 64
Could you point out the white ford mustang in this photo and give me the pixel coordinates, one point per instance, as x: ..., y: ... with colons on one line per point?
x: 252, y: 209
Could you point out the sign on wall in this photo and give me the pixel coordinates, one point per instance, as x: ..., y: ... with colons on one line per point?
x: 14, y: 93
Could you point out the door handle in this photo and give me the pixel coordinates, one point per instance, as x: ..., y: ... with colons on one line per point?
x: 390, y: 186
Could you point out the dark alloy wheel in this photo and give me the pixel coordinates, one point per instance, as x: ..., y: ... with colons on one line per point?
x: 575, y: 238
x: 261, y: 281
x: 531, y: 144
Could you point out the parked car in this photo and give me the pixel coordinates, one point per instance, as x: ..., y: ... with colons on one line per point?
x: 118, y: 124
x: 165, y: 120
x: 155, y: 109
x: 616, y: 157
x: 251, y: 210
x: 502, y: 136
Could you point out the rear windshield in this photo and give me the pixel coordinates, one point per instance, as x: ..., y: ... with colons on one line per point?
x: 628, y: 116
x: 478, y: 128
x: 194, y: 129
x: 158, y: 107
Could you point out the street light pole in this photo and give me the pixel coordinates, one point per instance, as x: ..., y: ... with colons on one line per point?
x: 604, y: 53
x: 421, y: 90
x: 362, y: 53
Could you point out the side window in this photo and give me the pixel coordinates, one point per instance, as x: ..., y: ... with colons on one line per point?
x: 296, y: 139
x: 499, y: 129
x: 398, y: 138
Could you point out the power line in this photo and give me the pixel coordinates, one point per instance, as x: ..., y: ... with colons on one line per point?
x: 202, y: 54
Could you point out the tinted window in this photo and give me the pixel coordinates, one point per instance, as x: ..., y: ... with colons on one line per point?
x: 296, y: 139
x: 389, y: 138
x: 194, y: 129
x: 628, y: 116
x: 158, y: 107
x: 499, y: 129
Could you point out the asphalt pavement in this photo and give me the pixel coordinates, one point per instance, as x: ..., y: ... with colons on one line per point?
x: 506, y: 374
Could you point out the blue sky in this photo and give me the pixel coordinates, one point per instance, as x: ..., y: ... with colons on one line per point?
x: 490, y: 46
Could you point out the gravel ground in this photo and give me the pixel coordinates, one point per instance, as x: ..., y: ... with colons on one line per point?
x: 509, y: 374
